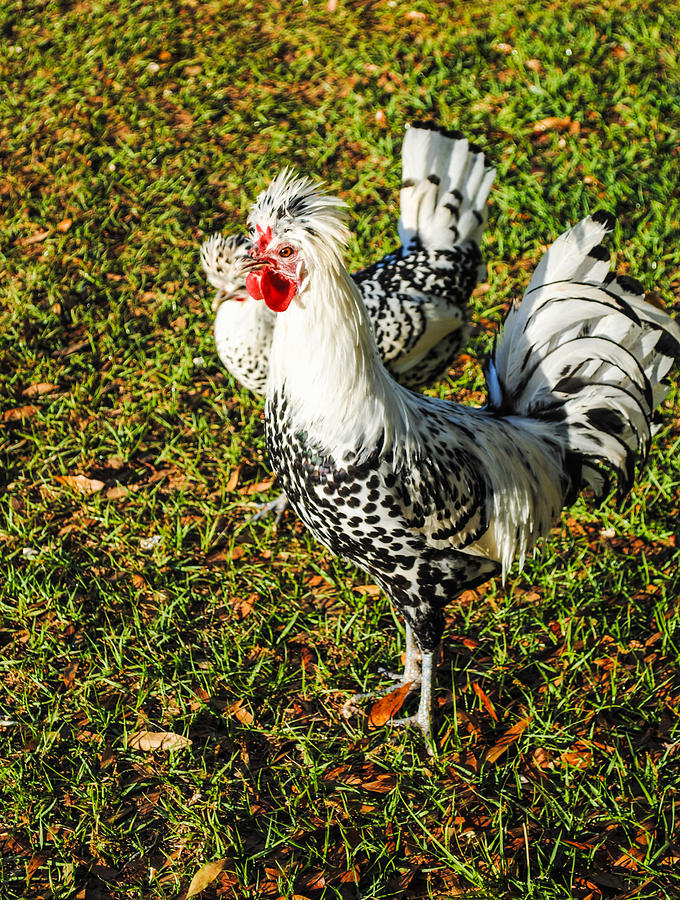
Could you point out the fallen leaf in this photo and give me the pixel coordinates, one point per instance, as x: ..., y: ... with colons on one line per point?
x: 541, y: 758
x: 64, y: 225
x: 205, y: 876
x: 42, y: 387
x: 258, y: 487
x: 488, y: 705
x: 243, y: 608
x: 71, y: 348
x: 21, y: 412
x: 80, y: 483
x: 117, y: 492
x: 578, y: 759
x: 69, y: 674
x: 36, y: 862
x: 157, y: 740
x: 551, y: 123
x: 234, y: 475
x: 385, y: 708
x: 34, y: 238
x: 367, y: 776
x: 318, y: 581
x: 240, y: 711
x: 508, y: 738
x: 371, y: 590
x: 314, y: 880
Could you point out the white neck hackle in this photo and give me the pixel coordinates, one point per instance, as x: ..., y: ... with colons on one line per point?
x: 324, y: 359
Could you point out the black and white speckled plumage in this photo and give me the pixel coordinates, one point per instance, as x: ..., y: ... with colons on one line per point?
x: 405, y: 294
x: 416, y: 296
x: 369, y: 512
x: 430, y: 497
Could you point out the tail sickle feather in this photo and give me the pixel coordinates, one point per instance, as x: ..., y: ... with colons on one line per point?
x: 446, y: 183
x: 585, y: 351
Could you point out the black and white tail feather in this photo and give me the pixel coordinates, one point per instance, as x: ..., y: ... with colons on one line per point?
x: 417, y: 296
x: 445, y: 187
x: 586, y: 352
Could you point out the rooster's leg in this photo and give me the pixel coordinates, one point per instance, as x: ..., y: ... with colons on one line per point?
x: 412, y: 662
x: 423, y: 718
x: 278, y: 506
x: 410, y: 675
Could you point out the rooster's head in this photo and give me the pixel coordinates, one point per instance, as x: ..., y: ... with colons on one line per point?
x: 297, y: 228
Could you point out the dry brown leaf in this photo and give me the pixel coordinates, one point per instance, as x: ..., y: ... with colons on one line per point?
x: 69, y: 674
x: 368, y: 777
x: 318, y: 581
x: 36, y: 862
x: 157, y: 740
x: 578, y: 759
x: 508, y: 738
x: 34, y: 238
x: 386, y: 707
x: 117, y: 492
x: 314, y: 880
x: 541, y: 758
x: 81, y: 483
x: 241, y: 712
x: 551, y: 123
x: 42, y: 387
x: 21, y: 412
x: 488, y: 705
x: 243, y: 608
x: 234, y: 476
x: 371, y: 590
x: 258, y: 487
x: 64, y: 225
x: 205, y: 876
x: 72, y: 348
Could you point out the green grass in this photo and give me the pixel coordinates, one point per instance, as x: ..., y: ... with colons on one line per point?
x: 150, y: 126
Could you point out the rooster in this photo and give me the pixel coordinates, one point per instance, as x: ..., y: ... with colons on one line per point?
x: 428, y: 496
x: 415, y: 296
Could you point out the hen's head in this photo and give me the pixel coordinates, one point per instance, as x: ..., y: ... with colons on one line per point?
x: 297, y: 228
x: 223, y: 259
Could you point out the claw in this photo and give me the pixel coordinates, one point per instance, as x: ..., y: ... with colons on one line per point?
x: 279, y: 506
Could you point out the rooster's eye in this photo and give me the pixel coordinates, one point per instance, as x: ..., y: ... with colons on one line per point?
x: 286, y: 251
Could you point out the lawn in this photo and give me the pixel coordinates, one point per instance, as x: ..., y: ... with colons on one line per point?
x: 135, y: 599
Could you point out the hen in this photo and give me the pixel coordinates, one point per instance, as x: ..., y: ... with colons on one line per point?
x: 415, y: 296
x: 431, y: 497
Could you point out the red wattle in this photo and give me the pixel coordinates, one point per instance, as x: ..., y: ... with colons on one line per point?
x: 253, y: 285
x: 277, y: 290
